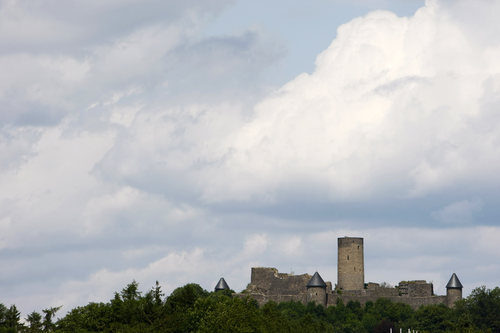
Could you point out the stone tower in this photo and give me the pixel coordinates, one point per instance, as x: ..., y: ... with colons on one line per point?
x: 316, y: 290
x: 453, y: 290
x: 350, y: 269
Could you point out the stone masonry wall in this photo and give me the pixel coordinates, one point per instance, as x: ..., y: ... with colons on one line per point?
x: 414, y: 302
x: 417, y: 288
x: 350, y: 269
x: 267, y: 284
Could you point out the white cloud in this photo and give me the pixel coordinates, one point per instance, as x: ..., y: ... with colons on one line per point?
x: 136, y: 150
x: 255, y: 244
x: 394, y: 106
x: 101, y: 284
x: 292, y: 246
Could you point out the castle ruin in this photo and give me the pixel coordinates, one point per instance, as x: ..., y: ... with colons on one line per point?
x: 267, y: 284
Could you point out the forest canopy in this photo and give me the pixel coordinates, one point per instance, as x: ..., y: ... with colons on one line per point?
x: 192, y: 309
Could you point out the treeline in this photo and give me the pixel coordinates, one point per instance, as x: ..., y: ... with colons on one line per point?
x: 192, y: 309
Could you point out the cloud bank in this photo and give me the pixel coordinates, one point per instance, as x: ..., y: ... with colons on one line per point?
x: 136, y: 148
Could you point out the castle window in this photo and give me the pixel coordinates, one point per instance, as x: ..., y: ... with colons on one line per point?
x: 358, y: 247
x: 347, y: 257
x: 355, y: 269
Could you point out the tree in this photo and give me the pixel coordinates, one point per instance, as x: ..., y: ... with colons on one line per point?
x: 93, y: 317
x: 34, y: 321
x: 220, y: 313
x: 384, y: 326
x: 48, y: 324
x: 157, y: 294
x: 434, y: 318
x: 12, y: 316
x: 184, y: 297
x: 178, y: 307
x: 131, y: 292
x: 482, y: 307
x: 3, y: 311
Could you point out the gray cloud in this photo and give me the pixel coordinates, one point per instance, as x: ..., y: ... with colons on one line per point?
x: 74, y: 26
x: 134, y: 147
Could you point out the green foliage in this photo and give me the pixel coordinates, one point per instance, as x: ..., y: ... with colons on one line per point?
x: 184, y: 297
x: 9, y: 319
x: 47, y: 323
x: 220, y: 313
x: 434, y: 318
x: 481, y: 310
x: 192, y: 309
x: 34, y: 321
x: 3, y: 311
x: 12, y: 316
x: 93, y: 317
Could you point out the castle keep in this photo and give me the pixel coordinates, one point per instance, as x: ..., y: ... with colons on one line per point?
x: 267, y: 284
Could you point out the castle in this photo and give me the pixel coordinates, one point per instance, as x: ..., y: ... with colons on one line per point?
x: 267, y: 284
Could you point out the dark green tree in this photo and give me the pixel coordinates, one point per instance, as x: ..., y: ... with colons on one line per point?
x: 481, y: 309
x: 93, y: 317
x: 48, y: 318
x: 12, y: 317
x: 131, y: 292
x: 220, y: 313
x: 179, y: 305
x: 34, y: 321
x: 434, y: 318
x: 3, y: 310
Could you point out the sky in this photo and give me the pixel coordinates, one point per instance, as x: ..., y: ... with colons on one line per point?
x: 186, y: 141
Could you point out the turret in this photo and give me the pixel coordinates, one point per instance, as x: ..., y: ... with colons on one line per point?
x: 453, y: 290
x: 316, y: 290
x: 350, y: 264
x: 221, y: 285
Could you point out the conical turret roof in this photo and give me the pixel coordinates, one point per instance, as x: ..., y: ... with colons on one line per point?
x: 316, y: 281
x: 221, y: 285
x: 454, y: 283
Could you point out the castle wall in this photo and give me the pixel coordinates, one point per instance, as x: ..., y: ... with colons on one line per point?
x: 376, y: 292
x: 350, y: 269
x: 417, y: 288
x: 267, y: 284
x: 269, y: 280
x: 414, y: 302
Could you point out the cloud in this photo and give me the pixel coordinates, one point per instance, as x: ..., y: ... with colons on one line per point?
x: 154, y: 48
x: 100, y: 285
x: 54, y: 27
x: 137, y: 147
x: 394, y: 107
x: 458, y: 212
x: 256, y: 244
